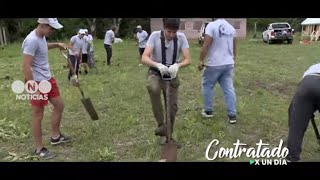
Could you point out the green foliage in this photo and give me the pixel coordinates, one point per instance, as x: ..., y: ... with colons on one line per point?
x: 19, y: 28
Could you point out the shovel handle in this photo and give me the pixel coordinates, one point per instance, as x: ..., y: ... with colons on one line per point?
x: 168, y: 120
x: 81, y: 92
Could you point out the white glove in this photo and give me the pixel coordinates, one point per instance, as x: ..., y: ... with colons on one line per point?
x: 164, y: 70
x: 173, y: 70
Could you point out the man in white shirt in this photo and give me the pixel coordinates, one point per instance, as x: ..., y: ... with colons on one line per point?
x: 75, y: 51
x: 108, y: 41
x: 220, y: 47
x: 90, y: 50
x: 141, y: 37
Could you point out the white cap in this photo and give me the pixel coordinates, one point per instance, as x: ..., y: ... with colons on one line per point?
x: 81, y: 31
x: 85, y: 30
x: 53, y: 22
x: 139, y: 27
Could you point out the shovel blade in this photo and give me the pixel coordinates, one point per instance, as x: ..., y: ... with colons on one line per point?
x: 169, y: 153
x: 90, y: 108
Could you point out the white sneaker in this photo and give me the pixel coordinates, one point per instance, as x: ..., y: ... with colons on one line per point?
x: 207, y: 114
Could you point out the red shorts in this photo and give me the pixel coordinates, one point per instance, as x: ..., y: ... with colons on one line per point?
x: 54, y: 92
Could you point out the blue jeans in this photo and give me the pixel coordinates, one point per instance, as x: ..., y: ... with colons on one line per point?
x: 224, y: 76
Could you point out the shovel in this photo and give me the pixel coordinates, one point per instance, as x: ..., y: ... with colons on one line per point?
x: 314, y: 125
x: 85, y: 101
x: 168, y: 150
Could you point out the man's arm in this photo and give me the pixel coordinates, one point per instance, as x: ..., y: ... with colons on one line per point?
x: 27, y: 67
x: 56, y: 45
x: 204, y: 49
x: 186, y: 58
x: 146, y: 57
x: 71, y: 47
x: 234, y: 48
x: 113, y: 36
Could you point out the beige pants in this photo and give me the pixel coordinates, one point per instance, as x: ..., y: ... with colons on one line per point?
x: 155, y: 86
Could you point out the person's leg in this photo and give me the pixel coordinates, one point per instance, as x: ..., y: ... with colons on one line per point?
x: 226, y: 83
x: 85, y: 63
x: 154, y: 89
x: 92, y: 59
x: 73, y: 63
x: 141, y: 50
x: 37, y: 115
x: 300, y: 111
x: 58, y: 106
x: 109, y: 54
x: 174, y: 85
x: 37, y: 109
x: 209, y: 79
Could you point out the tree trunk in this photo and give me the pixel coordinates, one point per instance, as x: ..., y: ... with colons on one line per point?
x: 116, y: 22
x: 92, y: 24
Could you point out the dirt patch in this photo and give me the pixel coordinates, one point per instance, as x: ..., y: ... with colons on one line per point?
x: 276, y: 88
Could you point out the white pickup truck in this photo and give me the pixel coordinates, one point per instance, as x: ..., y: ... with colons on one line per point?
x: 278, y: 32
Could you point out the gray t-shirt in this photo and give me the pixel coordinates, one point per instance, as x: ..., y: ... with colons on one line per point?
x: 142, y: 38
x: 109, y: 37
x: 77, y: 44
x: 37, y: 47
x: 155, y: 42
x: 221, y: 50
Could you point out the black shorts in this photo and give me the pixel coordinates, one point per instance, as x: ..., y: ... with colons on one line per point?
x: 141, y: 50
x: 84, y: 58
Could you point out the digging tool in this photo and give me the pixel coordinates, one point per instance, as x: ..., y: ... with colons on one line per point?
x: 85, y: 101
x: 168, y: 150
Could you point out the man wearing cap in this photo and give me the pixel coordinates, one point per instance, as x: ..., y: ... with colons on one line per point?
x: 108, y: 40
x: 141, y: 37
x: 85, y: 50
x: 90, y: 50
x: 75, y: 51
x: 36, y: 67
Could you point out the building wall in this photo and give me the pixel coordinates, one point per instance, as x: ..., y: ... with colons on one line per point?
x: 191, y: 26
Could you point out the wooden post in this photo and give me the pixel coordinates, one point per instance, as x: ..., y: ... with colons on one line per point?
x: 1, y: 38
x: 4, y: 35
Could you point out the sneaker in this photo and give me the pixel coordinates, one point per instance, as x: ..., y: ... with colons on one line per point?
x: 140, y: 65
x: 207, y: 114
x: 160, y: 131
x: 44, y: 153
x: 60, y: 139
x: 232, y: 119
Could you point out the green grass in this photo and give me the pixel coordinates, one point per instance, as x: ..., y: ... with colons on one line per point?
x: 265, y: 79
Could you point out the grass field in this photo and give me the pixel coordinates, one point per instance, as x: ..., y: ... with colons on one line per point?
x: 265, y: 79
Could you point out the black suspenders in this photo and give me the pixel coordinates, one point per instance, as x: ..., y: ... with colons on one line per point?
x: 163, y: 49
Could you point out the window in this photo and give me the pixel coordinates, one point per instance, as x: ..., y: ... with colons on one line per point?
x: 275, y: 26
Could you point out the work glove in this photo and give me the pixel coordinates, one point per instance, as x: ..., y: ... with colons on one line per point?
x: 173, y: 70
x: 164, y: 70
x: 74, y: 80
